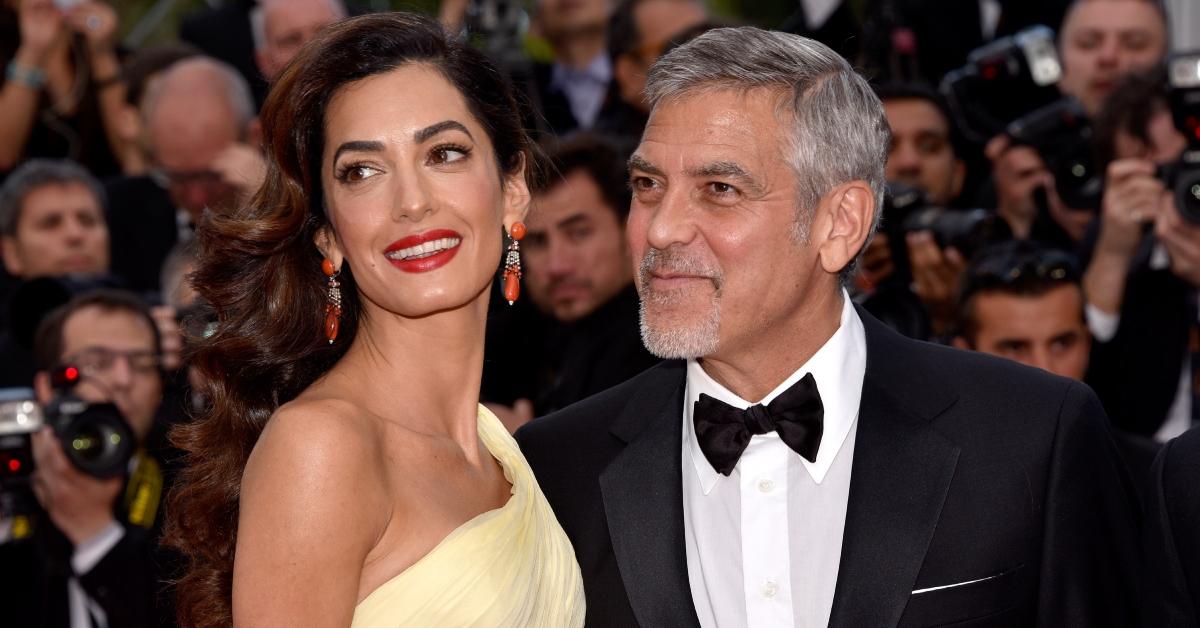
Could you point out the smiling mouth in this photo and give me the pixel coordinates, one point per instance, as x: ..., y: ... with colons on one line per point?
x: 423, y: 250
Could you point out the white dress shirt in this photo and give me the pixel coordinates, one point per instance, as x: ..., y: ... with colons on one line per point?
x: 763, y: 545
x: 585, y: 88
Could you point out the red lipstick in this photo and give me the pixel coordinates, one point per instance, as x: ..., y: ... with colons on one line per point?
x: 425, y: 251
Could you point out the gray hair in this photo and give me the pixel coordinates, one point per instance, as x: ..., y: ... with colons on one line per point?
x: 37, y: 173
x: 183, y: 74
x: 839, y: 132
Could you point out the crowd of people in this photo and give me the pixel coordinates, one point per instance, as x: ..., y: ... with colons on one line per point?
x: 121, y: 170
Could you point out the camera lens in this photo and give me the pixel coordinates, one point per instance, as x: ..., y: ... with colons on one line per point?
x: 1187, y: 194
x: 97, y: 441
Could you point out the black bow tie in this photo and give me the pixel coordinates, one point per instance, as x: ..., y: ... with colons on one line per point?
x: 724, y: 431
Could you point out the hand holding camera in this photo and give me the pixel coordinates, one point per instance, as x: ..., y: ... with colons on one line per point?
x: 80, y: 505
x: 1133, y: 197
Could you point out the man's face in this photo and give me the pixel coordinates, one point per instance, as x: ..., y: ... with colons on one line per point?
x: 921, y: 154
x: 576, y: 258
x: 115, y: 353
x: 713, y: 227
x: 1046, y: 331
x: 563, y: 18
x: 185, y: 140
x: 657, y: 22
x: 1101, y: 40
x: 60, y: 231
x: 288, y: 25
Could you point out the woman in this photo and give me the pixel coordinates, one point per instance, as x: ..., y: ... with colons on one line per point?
x: 63, y: 91
x: 373, y: 488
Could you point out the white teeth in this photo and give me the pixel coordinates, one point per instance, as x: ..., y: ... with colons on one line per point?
x: 424, y: 249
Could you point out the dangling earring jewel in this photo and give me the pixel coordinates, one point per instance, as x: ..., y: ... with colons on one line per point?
x: 333, y: 300
x: 512, y: 263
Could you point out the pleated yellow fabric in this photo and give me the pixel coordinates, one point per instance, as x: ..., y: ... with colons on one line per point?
x: 508, y: 567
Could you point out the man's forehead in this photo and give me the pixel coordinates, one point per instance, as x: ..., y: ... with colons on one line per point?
x: 97, y: 327
x: 691, y: 137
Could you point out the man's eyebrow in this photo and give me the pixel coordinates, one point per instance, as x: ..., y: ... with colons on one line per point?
x: 445, y: 125
x: 570, y: 221
x: 728, y: 170
x: 358, y: 146
x: 637, y: 162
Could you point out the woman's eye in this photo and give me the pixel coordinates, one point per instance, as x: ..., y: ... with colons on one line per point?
x: 355, y: 173
x: 448, y: 154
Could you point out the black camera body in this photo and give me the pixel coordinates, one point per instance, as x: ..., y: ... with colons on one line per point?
x: 1062, y: 134
x: 95, y: 438
x: 1003, y: 81
x: 1183, y: 94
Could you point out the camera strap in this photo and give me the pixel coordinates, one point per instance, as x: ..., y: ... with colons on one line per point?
x: 144, y: 491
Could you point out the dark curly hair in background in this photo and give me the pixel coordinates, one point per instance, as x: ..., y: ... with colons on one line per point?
x: 261, y: 272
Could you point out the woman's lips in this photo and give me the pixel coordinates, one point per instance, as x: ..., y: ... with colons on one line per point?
x: 423, y: 252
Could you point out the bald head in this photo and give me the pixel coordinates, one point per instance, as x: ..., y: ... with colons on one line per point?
x: 192, y: 113
x: 283, y: 26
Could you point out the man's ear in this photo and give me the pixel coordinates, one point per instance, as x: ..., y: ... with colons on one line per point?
x: 253, y: 133
x: 961, y: 343
x: 12, y: 261
x: 42, y: 388
x: 517, y: 197
x: 848, y: 213
x: 958, y: 178
x: 326, y: 242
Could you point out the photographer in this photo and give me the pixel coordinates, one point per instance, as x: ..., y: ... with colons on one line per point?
x: 87, y: 559
x: 1144, y: 269
x: 1100, y: 41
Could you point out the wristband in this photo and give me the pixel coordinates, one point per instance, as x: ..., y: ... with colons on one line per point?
x: 33, y: 78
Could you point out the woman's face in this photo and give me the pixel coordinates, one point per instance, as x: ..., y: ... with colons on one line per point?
x: 413, y: 192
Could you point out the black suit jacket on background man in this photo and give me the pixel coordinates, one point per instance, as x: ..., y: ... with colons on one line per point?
x: 966, y: 468
x: 1172, y: 584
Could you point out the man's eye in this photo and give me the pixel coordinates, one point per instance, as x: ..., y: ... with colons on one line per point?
x: 721, y: 189
x: 643, y: 183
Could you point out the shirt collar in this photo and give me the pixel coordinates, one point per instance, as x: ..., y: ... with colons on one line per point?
x: 838, y: 368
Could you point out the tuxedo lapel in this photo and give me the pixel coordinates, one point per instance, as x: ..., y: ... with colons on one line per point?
x: 643, y: 502
x: 899, y: 480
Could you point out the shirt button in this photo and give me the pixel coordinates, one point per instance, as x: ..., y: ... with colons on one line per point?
x: 766, y: 486
x: 770, y: 589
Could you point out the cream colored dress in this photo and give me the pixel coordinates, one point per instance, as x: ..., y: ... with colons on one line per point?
x: 508, y: 567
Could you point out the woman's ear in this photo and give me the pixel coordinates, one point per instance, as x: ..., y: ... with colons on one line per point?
x: 326, y: 242
x: 517, y: 197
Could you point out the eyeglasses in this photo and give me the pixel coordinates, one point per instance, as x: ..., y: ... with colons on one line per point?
x: 178, y: 178
x: 98, y: 361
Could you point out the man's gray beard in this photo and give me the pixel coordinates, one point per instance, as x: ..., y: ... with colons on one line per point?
x: 697, y: 340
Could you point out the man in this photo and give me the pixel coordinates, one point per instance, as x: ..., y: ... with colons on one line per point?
x: 1142, y: 273
x: 573, y: 92
x: 1172, y: 538
x: 281, y: 27
x: 1025, y: 303
x: 87, y: 561
x: 52, y: 221
x: 638, y: 33
x: 202, y: 139
x: 924, y: 150
x: 577, y: 271
x: 1100, y: 41
x: 918, y: 485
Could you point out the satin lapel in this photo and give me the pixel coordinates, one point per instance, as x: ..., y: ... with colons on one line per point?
x: 643, y: 501
x: 901, y: 473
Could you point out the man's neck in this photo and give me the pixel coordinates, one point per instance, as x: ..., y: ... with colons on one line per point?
x: 578, y: 50
x: 752, y: 372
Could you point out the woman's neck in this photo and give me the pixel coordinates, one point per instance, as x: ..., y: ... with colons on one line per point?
x: 423, y: 373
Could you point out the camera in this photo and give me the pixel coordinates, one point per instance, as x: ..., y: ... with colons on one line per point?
x: 906, y: 210
x: 1183, y: 93
x: 1062, y: 134
x: 95, y: 438
x: 1003, y: 81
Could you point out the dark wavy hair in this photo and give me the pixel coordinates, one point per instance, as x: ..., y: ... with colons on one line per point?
x: 261, y: 271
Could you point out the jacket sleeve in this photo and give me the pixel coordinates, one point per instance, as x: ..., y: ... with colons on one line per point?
x: 1090, y: 543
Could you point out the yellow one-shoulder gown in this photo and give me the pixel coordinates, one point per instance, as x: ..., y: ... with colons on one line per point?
x: 508, y: 567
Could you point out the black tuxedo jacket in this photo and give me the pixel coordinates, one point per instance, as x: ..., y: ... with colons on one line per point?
x: 1173, y: 536
x: 968, y: 471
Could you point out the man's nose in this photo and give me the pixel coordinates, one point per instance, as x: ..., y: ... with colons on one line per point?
x: 671, y: 222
